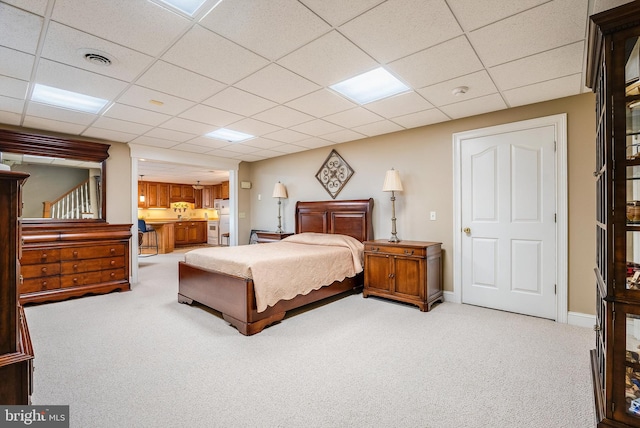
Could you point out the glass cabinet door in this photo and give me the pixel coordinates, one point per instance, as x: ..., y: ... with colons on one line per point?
x: 632, y: 106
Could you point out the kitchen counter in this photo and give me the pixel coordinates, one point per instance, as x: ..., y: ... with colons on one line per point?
x: 165, y: 228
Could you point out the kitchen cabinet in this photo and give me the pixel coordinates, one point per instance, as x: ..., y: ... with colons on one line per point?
x: 190, y: 232
x: 156, y: 195
x: 224, y: 190
x: 181, y: 193
x: 204, y: 198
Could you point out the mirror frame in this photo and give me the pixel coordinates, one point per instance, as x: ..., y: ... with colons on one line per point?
x: 60, y: 147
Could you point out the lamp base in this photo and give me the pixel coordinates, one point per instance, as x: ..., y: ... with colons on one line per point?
x: 394, y: 238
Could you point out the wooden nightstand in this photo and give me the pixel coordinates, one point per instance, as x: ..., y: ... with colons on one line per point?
x: 406, y: 271
x: 264, y: 237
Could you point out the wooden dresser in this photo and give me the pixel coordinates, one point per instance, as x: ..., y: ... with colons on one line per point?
x: 406, y: 271
x: 71, y: 259
x: 16, y: 351
x: 265, y: 237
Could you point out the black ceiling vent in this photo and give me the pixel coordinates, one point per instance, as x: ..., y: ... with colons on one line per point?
x: 97, y: 59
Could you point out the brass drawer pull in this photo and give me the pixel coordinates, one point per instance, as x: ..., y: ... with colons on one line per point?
x: 408, y: 252
x: 112, y: 262
x: 44, y: 270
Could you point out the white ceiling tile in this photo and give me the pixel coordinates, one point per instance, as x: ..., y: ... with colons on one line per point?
x: 277, y: 84
x: 241, y: 148
x: 316, y: 127
x: 154, y: 142
x: 10, y: 118
x: 283, y: 116
x: 189, y: 126
x: 474, y: 106
x: 120, y: 125
x: 547, y: 65
x: 342, y: 136
x: 479, y: 84
x: 143, y: 26
x: 378, y: 128
x: 321, y: 103
x: 12, y: 105
x: 69, y: 46
x: 138, y: 96
x: 389, y: 39
x: 473, y: 14
x: 207, y: 53
x: 53, y: 125
x: 192, y: 148
x: 262, y: 143
x: 135, y: 114
x: 545, y: 27
x: 249, y: 157
x: 35, y: 6
x: 328, y: 60
x: 253, y: 127
x: 64, y: 115
x: 260, y: 155
x: 277, y: 26
x: 421, y: 118
x: 354, y: 117
x: 286, y: 136
x: 399, y: 105
x: 223, y: 153
x: 19, y: 29
x: 442, y: 62
x: 13, y: 88
x: 178, y: 81
x: 337, y: 12
x: 74, y: 79
x: 289, y: 148
x: 557, y: 88
x: 15, y: 63
x: 168, y: 134
x: 109, y: 134
x: 211, y: 143
x: 240, y: 102
x: 210, y: 115
x: 314, y: 142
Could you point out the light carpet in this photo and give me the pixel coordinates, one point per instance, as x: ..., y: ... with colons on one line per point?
x: 141, y: 359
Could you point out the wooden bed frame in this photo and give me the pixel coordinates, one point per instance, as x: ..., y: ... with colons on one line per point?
x: 234, y: 296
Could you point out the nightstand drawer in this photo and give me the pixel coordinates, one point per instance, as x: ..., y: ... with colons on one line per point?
x: 394, y: 249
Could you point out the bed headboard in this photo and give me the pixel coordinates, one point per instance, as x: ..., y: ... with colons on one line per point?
x: 351, y: 218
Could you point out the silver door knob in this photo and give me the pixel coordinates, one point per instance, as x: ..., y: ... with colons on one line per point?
x: 467, y: 230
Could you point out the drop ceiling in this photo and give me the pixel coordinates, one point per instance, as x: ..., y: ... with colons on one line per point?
x: 264, y: 67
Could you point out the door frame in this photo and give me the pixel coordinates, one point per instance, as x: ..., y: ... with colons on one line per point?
x: 559, y: 122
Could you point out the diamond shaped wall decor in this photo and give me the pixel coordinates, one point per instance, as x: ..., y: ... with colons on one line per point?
x: 334, y: 174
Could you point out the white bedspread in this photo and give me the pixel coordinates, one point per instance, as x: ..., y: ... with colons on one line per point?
x: 284, y: 269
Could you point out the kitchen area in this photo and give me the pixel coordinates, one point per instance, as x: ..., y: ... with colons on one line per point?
x: 182, y: 215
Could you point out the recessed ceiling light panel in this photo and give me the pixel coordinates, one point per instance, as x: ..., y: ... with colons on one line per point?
x: 229, y: 135
x: 371, y: 86
x: 187, y: 7
x: 67, y: 99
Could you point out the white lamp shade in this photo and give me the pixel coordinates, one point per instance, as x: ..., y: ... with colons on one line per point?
x: 392, y: 181
x: 280, y: 191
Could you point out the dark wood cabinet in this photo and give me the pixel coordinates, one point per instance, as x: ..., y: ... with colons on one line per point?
x: 613, y: 72
x: 190, y: 232
x: 156, y: 195
x: 16, y: 351
x: 265, y: 237
x: 63, y: 260
x: 224, y: 190
x: 406, y: 271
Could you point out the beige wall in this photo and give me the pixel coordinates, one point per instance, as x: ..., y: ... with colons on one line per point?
x: 119, y: 184
x: 424, y: 157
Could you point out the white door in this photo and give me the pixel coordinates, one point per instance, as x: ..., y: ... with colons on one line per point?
x: 508, y: 210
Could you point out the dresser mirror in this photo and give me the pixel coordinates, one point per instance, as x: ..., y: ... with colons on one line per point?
x: 67, y: 177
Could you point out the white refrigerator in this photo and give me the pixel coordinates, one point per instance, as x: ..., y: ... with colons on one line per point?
x: 222, y: 205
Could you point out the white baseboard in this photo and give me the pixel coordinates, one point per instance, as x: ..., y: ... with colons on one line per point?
x: 450, y: 296
x: 581, y: 320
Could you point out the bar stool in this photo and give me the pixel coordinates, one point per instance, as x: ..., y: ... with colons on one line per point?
x: 152, y: 238
x: 224, y: 236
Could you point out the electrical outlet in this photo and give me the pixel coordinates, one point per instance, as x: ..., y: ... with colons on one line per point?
x: 432, y: 215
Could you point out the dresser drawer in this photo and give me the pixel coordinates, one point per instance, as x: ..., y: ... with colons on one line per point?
x: 92, y: 278
x: 90, y: 265
x: 40, y: 270
x: 30, y: 257
x: 40, y: 284
x: 79, y: 253
x: 395, y: 250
